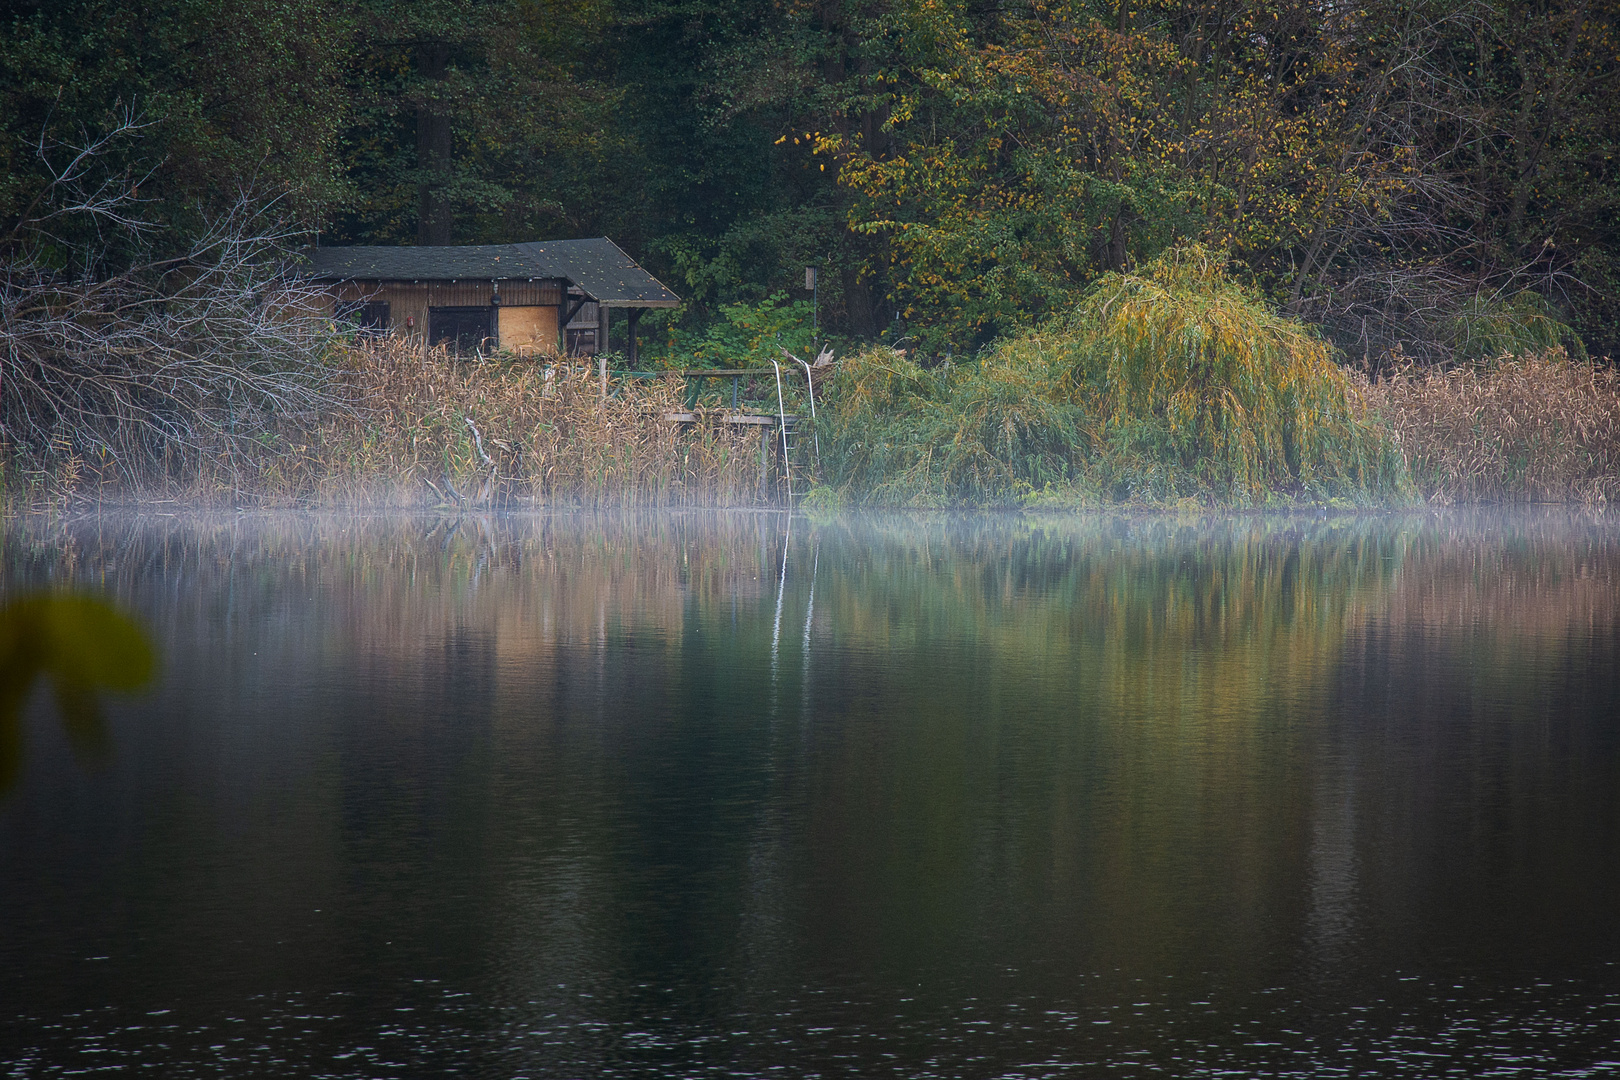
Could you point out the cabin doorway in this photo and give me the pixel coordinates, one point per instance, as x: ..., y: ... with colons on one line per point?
x: 461, y: 329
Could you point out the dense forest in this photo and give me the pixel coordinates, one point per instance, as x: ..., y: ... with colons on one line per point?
x: 1434, y: 177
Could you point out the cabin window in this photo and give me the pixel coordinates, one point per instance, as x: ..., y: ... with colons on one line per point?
x: 369, y: 316
x: 461, y: 329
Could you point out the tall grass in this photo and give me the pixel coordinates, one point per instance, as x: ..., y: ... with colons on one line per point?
x: 1537, y: 429
x: 989, y: 433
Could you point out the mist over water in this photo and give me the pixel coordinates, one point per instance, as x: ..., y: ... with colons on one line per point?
x: 719, y: 794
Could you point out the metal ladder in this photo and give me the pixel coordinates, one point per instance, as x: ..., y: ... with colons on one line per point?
x: 788, y: 427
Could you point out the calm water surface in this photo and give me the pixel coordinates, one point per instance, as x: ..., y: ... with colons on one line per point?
x: 713, y: 795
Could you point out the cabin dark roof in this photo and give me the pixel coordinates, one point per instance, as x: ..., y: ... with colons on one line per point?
x: 603, y: 270
x: 599, y: 266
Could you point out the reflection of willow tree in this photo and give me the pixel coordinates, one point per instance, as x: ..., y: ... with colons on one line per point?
x: 1114, y: 722
x: 1129, y: 697
x: 1083, y: 740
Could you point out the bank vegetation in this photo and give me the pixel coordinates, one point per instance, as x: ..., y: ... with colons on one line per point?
x: 1049, y: 420
x: 214, y: 375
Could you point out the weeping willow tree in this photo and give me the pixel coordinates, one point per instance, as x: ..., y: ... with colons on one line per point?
x: 1200, y: 388
x: 1171, y: 383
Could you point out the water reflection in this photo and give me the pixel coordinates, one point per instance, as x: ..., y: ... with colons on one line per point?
x: 556, y: 794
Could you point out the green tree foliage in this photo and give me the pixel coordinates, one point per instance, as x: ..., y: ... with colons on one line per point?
x: 1376, y: 169
x: 229, y: 103
x: 745, y: 335
x: 471, y: 121
x: 1398, y: 173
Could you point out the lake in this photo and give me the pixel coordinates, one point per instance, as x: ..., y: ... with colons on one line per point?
x: 740, y: 794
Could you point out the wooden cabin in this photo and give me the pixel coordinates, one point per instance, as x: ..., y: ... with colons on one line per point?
x: 550, y: 297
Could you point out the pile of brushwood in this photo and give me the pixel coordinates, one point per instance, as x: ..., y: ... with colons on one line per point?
x: 1167, y: 384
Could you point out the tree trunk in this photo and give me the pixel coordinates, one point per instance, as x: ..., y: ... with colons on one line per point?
x: 433, y: 216
x: 859, y: 304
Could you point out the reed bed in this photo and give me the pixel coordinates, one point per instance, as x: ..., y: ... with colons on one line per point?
x: 494, y: 431
x: 1536, y: 429
x: 404, y: 427
x: 497, y: 431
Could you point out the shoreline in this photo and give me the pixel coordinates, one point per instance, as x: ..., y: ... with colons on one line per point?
x: 404, y: 434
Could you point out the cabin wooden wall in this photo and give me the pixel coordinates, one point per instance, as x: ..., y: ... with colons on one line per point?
x: 529, y: 308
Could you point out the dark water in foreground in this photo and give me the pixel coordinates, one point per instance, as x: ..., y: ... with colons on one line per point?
x: 556, y: 797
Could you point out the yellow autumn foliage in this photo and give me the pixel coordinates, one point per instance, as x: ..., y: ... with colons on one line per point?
x: 1199, y: 387
x: 1170, y: 383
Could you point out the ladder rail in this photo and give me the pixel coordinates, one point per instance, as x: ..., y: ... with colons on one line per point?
x: 809, y: 388
x: 781, y: 415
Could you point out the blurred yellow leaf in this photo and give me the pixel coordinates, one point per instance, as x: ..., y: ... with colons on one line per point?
x: 84, y: 646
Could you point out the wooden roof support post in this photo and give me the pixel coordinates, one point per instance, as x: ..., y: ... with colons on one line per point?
x: 495, y: 315
x: 630, y: 330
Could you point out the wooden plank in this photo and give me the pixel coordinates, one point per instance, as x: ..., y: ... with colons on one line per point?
x: 529, y: 329
x: 723, y: 373
x: 742, y: 419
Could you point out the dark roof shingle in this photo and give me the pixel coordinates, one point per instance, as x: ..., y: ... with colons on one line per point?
x: 599, y: 266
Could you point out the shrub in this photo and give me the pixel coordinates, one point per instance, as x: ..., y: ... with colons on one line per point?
x: 745, y: 335
x: 979, y: 434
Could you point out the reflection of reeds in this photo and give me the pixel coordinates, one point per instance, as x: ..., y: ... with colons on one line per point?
x: 1523, y: 581
x: 387, y: 584
x: 1529, y: 430
x: 1121, y: 715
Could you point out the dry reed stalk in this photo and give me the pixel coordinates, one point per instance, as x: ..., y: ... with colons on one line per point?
x: 408, y: 428
x: 1538, y: 429
x: 434, y: 428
